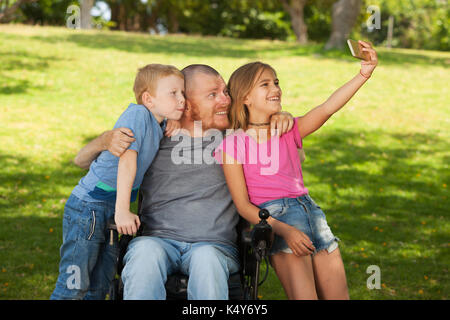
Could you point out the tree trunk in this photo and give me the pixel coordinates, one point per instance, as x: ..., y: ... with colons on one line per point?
x: 122, y: 18
x: 136, y: 22
x: 152, y: 19
x: 114, y: 14
x: 390, y: 31
x: 7, y: 14
x: 295, y: 10
x: 174, y: 25
x: 344, y: 16
x: 86, y: 19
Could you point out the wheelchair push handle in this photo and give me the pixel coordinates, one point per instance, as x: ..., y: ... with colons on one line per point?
x: 261, y: 235
x: 264, y: 215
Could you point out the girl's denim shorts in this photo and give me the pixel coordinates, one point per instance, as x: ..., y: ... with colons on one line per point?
x: 304, y: 214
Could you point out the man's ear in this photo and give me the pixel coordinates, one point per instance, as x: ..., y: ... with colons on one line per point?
x: 147, y: 99
x: 188, y: 112
x: 188, y: 109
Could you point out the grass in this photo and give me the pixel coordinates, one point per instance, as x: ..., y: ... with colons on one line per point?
x: 378, y: 168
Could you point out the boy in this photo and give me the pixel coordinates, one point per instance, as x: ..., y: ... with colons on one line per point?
x: 88, y: 261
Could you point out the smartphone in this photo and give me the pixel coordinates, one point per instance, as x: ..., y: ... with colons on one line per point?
x: 356, y: 50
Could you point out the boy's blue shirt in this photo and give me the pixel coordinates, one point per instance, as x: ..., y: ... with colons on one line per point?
x: 100, y: 183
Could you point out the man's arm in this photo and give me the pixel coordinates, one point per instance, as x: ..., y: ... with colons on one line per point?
x: 115, y: 141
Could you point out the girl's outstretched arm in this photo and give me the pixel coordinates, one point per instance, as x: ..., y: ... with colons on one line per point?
x: 316, y: 117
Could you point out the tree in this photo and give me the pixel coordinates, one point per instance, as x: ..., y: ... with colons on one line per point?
x: 7, y: 10
x: 295, y: 8
x: 86, y: 19
x: 344, y: 16
x: 131, y: 15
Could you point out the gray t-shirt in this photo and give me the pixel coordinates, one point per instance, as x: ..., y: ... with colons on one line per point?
x: 190, y: 201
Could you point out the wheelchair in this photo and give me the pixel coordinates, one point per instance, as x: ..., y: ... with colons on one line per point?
x: 253, y: 246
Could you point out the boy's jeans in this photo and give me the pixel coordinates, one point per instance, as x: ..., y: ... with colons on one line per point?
x: 88, y: 261
x: 149, y: 260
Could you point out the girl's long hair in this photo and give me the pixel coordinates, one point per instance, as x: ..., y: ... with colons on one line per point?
x: 240, y: 84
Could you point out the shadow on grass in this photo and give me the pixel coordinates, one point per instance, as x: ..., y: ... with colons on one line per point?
x: 13, y: 61
x: 394, y: 170
x: 22, y: 60
x: 27, y: 183
x: 401, y: 202
x: 389, y: 207
x: 227, y: 47
x: 29, y: 256
x: 12, y: 85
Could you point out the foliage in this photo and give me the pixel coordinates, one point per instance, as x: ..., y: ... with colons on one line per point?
x: 417, y: 23
x: 101, y: 23
x: 240, y: 19
x: 318, y: 19
x: 46, y: 12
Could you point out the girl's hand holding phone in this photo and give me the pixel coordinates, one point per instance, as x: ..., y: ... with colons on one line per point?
x: 367, y: 66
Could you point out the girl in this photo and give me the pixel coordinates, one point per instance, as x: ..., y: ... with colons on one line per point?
x: 305, y: 253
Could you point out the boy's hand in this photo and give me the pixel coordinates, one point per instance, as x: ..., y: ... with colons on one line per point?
x: 280, y: 123
x: 172, y: 128
x: 126, y: 222
x: 367, y: 66
x: 118, y: 140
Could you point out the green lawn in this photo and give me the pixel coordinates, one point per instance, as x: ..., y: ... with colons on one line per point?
x: 379, y: 168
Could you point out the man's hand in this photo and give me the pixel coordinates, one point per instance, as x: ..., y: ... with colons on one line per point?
x: 280, y: 123
x: 301, y: 155
x: 126, y: 222
x: 367, y: 66
x: 118, y: 140
x: 172, y: 128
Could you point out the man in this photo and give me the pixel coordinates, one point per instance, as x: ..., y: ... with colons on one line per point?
x: 188, y: 217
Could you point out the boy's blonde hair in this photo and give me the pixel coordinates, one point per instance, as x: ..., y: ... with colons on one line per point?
x: 240, y: 84
x: 147, y: 77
